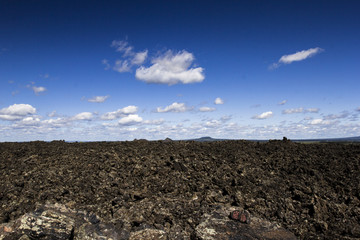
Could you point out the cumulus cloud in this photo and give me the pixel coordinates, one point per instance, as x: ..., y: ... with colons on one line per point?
x: 282, y: 102
x: 130, y: 120
x: 207, y: 109
x: 139, y: 57
x: 83, y: 116
x: 98, y: 99
x: 298, y: 56
x: 120, y: 113
x: 218, y: 101
x: 30, y: 121
x: 16, y: 112
x: 38, y: 90
x: 122, y: 66
x: 175, y: 107
x: 300, y: 110
x: 171, y: 69
x: 264, y: 115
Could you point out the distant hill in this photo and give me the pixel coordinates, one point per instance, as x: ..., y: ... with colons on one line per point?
x: 346, y: 139
x: 207, y: 139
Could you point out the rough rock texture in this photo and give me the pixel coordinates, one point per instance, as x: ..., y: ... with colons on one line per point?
x: 152, y: 187
x: 59, y: 222
x: 218, y: 225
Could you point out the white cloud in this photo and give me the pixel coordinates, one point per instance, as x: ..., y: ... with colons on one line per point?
x: 130, y: 119
x: 300, y: 110
x: 312, y: 110
x: 298, y: 56
x: 175, y: 107
x: 154, y: 122
x: 30, y: 121
x: 17, y: 111
x: 139, y: 57
x: 122, y: 66
x: 38, y: 90
x: 119, y: 113
x: 171, y: 69
x: 212, y: 124
x: 98, y: 99
x: 122, y: 46
x: 225, y: 118
x: 264, y: 115
x: 358, y: 109
x: 218, y: 101
x: 207, y: 109
x: 282, y: 102
x: 52, y: 114
x: 319, y: 121
x: 83, y: 116
x: 57, y: 122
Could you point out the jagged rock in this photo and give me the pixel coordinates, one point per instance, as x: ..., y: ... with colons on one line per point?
x: 148, y: 233
x: 51, y: 222
x: 218, y: 225
x: 168, y: 140
x: 99, y: 231
x: 312, y: 190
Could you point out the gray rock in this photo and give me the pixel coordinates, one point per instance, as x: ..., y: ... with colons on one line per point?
x: 59, y: 222
x: 218, y: 225
x: 148, y: 233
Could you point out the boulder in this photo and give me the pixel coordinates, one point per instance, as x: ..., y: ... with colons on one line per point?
x: 219, y: 225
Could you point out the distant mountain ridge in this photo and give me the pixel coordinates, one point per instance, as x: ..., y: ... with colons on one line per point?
x: 346, y: 139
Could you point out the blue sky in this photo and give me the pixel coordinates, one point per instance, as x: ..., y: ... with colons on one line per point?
x: 119, y: 70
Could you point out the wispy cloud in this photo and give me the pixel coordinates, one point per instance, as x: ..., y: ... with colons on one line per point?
x: 295, y: 57
x: 45, y: 75
x: 300, y: 110
x: 171, y: 68
x: 122, y: 46
x: 344, y: 114
x: 218, y: 101
x: 98, y: 99
x: 38, y: 90
x: 154, y: 122
x: 264, y: 115
x: 16, y: 112
x: 174, y: 107
x: 130, y: 58
x: 139, y: 57
x: 52, y: 114
x: 282, y: 102
x: 122, y: 66
x: 106, y: 63
x: 207, y: 109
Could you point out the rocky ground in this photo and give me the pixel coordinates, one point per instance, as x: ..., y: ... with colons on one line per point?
x: 181, y: 190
